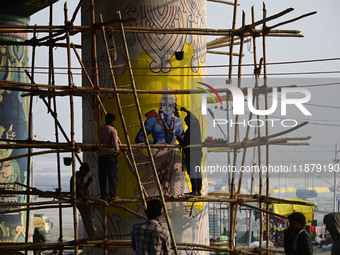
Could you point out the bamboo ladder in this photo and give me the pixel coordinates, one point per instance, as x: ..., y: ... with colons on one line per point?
x: 136, y: 104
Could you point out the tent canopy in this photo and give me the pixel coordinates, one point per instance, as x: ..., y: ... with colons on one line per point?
x: 287, y: 209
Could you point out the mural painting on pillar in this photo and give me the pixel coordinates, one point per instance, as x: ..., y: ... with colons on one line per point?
x: 157, y: 65
x: 13, y: 126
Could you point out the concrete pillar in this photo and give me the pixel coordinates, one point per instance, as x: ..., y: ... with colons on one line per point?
x: 157, y: 66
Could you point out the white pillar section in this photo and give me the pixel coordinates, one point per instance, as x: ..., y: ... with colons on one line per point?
x: 156, y: 66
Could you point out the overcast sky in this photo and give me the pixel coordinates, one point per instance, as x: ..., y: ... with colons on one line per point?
x: 321, y: 41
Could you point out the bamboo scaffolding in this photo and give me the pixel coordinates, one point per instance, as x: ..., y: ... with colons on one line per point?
x: 257, y: 70
x: 221, y: 45
x: 72, y: 134
x: 222, y: 53
x: 95, y: 147
x: 132, y: 162
x: 82, y: 243
x: 239, y: 199
x: 54, y: 115
x: 233, y: 206
x: 51, y: 81
x: 66, y: 199
x: 29, y: 157
x: 149, y: 30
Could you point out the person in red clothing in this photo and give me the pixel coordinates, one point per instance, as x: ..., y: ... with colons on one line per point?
x: 108, y: 158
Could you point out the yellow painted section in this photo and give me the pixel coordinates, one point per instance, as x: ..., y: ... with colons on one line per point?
x: 283, y: 190
x: 287, y: 209
x: 177, y: 78
x: 320, y: 189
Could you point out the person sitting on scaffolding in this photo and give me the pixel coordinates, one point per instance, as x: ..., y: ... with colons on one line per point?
x: 38, y: 238
x: 82, y: 192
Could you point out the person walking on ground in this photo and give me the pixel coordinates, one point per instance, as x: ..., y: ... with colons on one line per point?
x: 332, y: 221
x: 108, y: 160
x: 296, y: 240
x: 150, y: 237
x: 38, y: 238
x: 82, y: 193
x: 192, y: 156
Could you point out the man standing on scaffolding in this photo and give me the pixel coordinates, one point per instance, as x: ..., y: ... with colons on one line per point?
x: 108, y: 160
x: 192, y: 157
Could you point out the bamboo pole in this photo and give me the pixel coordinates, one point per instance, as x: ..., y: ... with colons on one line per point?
x: 244, y: 151
x: 127, y: 244
x: 222, y: 2
x: 76, y: 11
x: 94, y: 147
x: 222, y: 53
x: 9, y: 85
x: 29, y: 157
x: 233, y: 207
x: 34, y: 203
x: 221, y: 198
x: 232, y: 185
x: 88, y: 78
x: 30, y: 43
x: 70, y: 83
x: 226, y: 44
x: 54, y: 115
x: 51, y: 81
x: 264, y: 50
x: 282, y: 141
x: 105, y: 228
x: 257, y: 70
x: 150, y: 30
x: 141, y: 121
x: 131, y: 161
x: 94, y: 58
x: 292, y: 20
x: 32, y: 208
x: 91, y: 201
x: 254, y: 24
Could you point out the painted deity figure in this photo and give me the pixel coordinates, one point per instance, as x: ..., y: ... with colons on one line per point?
x: 163, y: 127
x: 8, y: 169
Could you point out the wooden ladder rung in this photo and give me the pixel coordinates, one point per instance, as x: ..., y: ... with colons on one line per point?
x: 116, y: 48
x: 128, y: 105
x: 124, y: 86
x: 146, y: 183
x: 118, y: 65
x: 138, y: 125
x: 143, y: 163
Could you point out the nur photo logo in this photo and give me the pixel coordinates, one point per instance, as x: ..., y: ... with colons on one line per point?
x: 293, y: 96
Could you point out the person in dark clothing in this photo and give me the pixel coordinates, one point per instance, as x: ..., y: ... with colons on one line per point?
x: 332, y: 221
x: 150, y: 237
x: 192, y: 157
x: 296, y: 240
x: 38, y: 238
x: 82, y: 192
